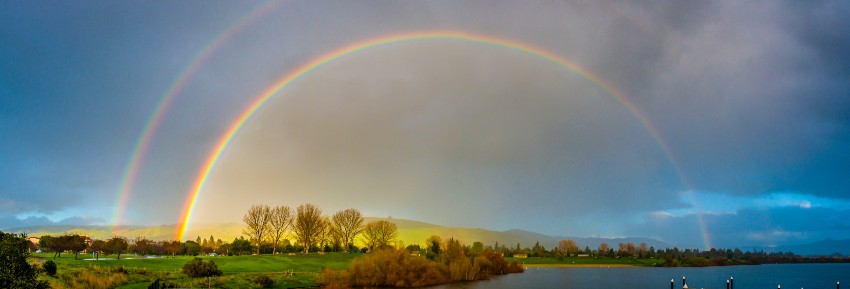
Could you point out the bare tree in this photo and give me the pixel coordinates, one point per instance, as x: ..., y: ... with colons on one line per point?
x: 568, y: 247
x: 603, y: 249
x: 347, y: 224
x: 280, y: 221
x: 308, y: 225
x: 379, y: 233
x: 643, y: 249
x: 326, y: 233
x: 257, y: 223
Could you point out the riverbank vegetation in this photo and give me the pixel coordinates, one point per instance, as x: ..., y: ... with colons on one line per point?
x: 642, y: 255
x: 398, y: 268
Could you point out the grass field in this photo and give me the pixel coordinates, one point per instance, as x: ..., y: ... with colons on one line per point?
x: 239, y: 271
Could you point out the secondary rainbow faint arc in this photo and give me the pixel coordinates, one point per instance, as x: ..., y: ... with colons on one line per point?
x: 450, y: 35
x: 131, y: 170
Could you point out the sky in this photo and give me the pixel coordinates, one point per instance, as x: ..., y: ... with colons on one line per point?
x: 699, y: 123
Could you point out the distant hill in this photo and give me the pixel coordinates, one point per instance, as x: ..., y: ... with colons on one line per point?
x: 162, y: 232
x: 820, y: 248
x: 410, y: 232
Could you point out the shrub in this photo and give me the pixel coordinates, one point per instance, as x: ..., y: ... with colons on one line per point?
x: 49, y: 267
x: 199, y: 268
x: 395, y: 268
x: 462, y: 269
x: 119, y: 270
x: 333, y: 280
x: 264, y: 281
x: 515, y: 268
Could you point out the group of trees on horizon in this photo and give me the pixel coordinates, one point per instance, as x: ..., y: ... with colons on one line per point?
x: 313, y: 231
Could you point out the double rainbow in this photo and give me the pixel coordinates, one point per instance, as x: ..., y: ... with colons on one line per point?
x: 261, y: 99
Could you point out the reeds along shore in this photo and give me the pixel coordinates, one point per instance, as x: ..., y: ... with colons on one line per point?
x: 397, y: 268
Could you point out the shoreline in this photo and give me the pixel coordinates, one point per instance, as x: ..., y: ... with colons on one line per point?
x: 579, y: 265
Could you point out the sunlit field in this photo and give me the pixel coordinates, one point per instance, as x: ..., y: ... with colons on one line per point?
x: 239, y: 271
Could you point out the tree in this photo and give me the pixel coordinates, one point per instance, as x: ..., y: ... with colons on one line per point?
x: 257, y: 223
x: 454, y: 250
x: 642, y: 250
x: 477, y: 248
x: 307, y: 226
x: 208, y: 245
x: 379, y: 233
x: 567, y: 247
x: 52, y: 244
x: 326, y: 233
x: 173, y: 247
x: 141, y: 246
x: 240, y: 246
x: 117, y: 245
x: 76, y: 244
x: 347, y: 224
x: 435, y: 243
x: 280, y: 221
x: 603, y: 249
x: 98, y: 246
x: 192, y: 248
x: 15, y: 272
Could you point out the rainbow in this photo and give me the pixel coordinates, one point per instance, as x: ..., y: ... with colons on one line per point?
x: 234, y: 127
x: 140, y: 149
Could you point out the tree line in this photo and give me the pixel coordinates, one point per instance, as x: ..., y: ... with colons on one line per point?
x: 313, y: 231
x: 668, y: 257
x: 118, y: 245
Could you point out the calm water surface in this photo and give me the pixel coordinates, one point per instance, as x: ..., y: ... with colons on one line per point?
x: 790, y: 276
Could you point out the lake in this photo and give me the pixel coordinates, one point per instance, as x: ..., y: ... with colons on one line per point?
x: 790, y: 276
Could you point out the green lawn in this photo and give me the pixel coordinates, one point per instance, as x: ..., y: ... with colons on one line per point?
x: 239, y: 271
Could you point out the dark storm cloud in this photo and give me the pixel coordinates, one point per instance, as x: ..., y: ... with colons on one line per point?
x: 736, y: 91
x: 749, y: 227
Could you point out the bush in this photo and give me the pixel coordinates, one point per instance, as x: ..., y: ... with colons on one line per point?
x: 49, y: 267
x: 199, y: 268
x: 264, y: 281
x: 333, y: 280
x: 395, y: 268
x: 119, y: 270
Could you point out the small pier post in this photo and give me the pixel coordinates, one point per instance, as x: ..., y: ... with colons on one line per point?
x: 683, y: 281
x: 727, y: 283
x: 671, y: 283
x: 731, y: 282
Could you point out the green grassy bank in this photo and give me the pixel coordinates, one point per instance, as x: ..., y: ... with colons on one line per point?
x: 239, y: 271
